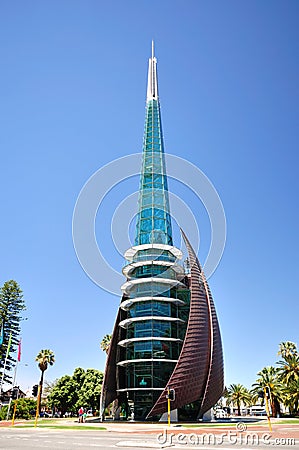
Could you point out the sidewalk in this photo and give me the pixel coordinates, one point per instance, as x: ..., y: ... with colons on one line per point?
x: 279, y: 430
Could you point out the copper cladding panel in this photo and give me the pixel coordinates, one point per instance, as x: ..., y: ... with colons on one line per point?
x: 198, y: 374
x: 109, y: 393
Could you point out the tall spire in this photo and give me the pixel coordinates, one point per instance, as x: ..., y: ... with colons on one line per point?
x: 152, y: 81
x: 153, y: 224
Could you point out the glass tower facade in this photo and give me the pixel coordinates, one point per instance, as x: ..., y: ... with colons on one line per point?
x: 155, y: 297
x: 153, y: 219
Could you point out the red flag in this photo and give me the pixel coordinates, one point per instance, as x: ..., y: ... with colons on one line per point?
x: 19, y: 351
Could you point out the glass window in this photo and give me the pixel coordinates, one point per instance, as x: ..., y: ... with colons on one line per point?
x: 143, y: 329
x: 150, y: 308
x: 139, y: 375
x: 147, y: 178
x: 157, y: 160
x: 159, y: 198
x: 162, y: 329
x: 146, y: 200
x: 144, y: 238
x: 146, y: 225
x: 159, y: 237
x: 146, y: 212
x: 159, y: 213
x: 159, y: 224
x: 161, y: 373
x: 161, y: 309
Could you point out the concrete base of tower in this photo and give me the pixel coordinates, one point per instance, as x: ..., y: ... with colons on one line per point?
x: 208, y: 416
x: 173, y: 416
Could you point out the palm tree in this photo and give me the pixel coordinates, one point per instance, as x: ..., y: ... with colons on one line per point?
x: 287, y: 349
x: 269, y: 377
x: 292, y: 396
x: 237, y: 394
x: 105, y: 343
x: 289, y: 369
x: 44, y: 358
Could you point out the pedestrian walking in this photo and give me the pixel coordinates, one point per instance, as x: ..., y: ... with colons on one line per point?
x: 80, y: 414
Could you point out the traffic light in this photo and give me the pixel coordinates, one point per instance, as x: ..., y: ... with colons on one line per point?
x: 34, y: 390
x: 267, y: 392
x: 171, y: 394
x: 15, y: 393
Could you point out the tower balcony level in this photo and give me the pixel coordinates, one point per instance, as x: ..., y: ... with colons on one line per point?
x: 129, y: 268
x: 140, y: 252
x: 126, y: 342
x: 126, y: 304
x: 146, y: 360
x: 167, y: 282
x: 127, y: 322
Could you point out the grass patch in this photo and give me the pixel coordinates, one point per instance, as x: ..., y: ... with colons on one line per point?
x: 222, y: 424
x: 288, y: 421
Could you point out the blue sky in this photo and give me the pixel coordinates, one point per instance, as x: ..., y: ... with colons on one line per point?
x: 73, y: 84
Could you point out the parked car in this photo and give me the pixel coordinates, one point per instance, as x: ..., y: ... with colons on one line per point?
x: 220, y: 414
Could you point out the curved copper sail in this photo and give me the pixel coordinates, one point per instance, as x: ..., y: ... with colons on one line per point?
x: 198, y: 374
x: 109, y: 386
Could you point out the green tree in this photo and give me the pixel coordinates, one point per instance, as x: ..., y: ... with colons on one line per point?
x: 83, y: 388
x: 269, y: 377
x: 11, y: 307
x: 44, y: 358
x: 25, y: 409
x: 49, y: 386
x: 292, y: 396
x: 288, y: 372
x: 105, y: 343
x: 79, y: 376
x: 90, y: 392
x: 287, y: 349
x: 64, y: 395
x: 289, y: 369
x: 238, y: 394
x: 289, y: 365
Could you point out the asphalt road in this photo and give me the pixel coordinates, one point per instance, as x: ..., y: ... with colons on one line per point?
x: 32, y: 439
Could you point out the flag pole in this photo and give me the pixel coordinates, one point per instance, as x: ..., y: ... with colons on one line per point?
x: 13, y: 384
x: 1, y: 334
x: 15, y: 376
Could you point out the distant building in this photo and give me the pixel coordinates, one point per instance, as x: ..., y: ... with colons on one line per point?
x: 7, y: 395
x: 166, y: 332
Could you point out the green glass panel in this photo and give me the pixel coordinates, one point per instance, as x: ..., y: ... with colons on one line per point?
x: 153, y: 180
x: 145, y: 213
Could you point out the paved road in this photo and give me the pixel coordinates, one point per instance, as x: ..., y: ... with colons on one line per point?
x: 35, y: 439
x: 30, y: 439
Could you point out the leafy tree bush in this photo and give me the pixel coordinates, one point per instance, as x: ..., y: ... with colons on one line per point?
x: 64, y: 395
x: 25, y: 408
x: 83, y: 388
x: 3, y: 412
x: 90, y: 392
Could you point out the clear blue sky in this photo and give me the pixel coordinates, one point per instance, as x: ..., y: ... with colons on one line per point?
x: 73, y: 81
